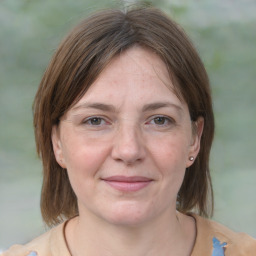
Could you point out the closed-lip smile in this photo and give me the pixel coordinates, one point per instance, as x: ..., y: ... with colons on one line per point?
x: 128, y: 183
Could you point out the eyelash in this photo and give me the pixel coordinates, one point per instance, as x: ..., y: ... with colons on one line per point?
x: 88, y: 121
x: 167, y: 121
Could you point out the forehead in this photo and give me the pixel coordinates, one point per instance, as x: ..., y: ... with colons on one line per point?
x: 137, y: 73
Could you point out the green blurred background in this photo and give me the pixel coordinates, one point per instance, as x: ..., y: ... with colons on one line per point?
x: 224, y: 32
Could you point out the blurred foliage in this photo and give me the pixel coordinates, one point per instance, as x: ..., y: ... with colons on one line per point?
x: 224, y: 33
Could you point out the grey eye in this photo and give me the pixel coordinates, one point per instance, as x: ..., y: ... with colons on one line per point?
x: 95, y: 121
x: 160, y: 120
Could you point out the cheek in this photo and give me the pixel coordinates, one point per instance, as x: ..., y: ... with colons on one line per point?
x: 170, y: 159
x: 84, y: 155
x: 84, y: 160
x: 171, y: 152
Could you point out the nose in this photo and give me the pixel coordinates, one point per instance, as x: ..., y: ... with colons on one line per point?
x: 128, y: 145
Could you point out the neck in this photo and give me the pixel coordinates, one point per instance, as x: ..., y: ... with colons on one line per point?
x: 173, y: 236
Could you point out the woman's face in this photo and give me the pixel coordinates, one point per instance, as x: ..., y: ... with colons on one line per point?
x: 126, y: 144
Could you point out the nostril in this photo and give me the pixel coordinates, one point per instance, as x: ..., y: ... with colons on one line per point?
x: 128, y: 146
x: 128, y: 153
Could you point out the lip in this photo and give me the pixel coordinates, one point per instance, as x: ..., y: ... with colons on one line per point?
x: 127, y: 183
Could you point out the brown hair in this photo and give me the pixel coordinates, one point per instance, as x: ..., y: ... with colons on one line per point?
x: 79, y: 60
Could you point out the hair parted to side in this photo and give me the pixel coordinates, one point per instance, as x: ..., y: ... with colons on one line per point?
x: 79, y: 60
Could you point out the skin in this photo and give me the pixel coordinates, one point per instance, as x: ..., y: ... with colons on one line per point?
x: 129, y: 123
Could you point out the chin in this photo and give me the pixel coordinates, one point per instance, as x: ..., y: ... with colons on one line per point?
x: 128, y: 215
x: 127, y: 221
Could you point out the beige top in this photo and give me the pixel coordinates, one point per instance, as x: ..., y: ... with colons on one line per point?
x: 53, y: 242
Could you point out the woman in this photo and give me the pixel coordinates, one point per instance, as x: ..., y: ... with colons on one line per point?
x: 124, y: 125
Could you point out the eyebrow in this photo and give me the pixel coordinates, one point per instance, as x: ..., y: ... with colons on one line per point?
x: 100, y: 106
x: 157, y: 105
x: 111, y: 108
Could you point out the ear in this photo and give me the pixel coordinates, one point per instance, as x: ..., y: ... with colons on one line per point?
x: 57, y: 146
x: 197, y: 131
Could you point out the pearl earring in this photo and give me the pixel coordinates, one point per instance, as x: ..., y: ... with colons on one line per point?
x: 191, y: 158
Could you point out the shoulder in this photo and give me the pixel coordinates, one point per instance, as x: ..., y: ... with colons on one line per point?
x: 39, y: 244
x: 44, y: 245
x: 208, y: 232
